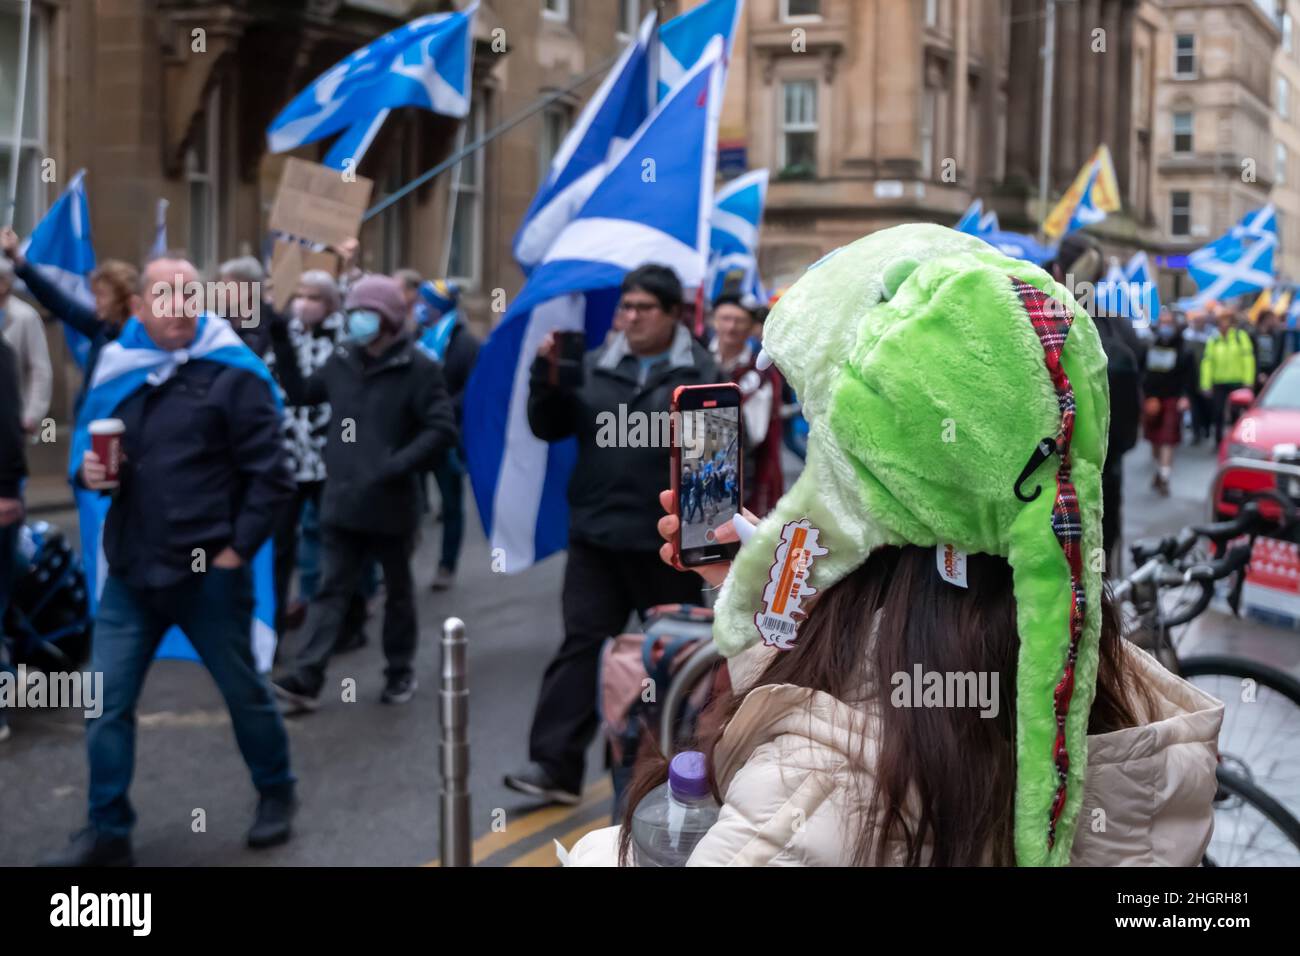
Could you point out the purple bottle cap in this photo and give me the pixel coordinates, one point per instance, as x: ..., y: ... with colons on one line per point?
x: 688, y: 775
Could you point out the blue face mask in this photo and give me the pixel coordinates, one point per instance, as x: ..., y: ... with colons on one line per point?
x: 363, y: 326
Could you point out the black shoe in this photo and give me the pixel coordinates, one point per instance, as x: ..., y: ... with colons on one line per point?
x: 294, y: 693
x: 536, y: 782
x: 271, y: 825
x: 398, y: 690
x: 349, y: 642
x: 90, y: 847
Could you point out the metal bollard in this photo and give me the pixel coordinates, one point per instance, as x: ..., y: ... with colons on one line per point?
x: 453, y: 749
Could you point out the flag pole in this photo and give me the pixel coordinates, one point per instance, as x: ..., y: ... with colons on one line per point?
x: 453, y: 199
x: 1045, y: 121
x: 15, y: 156
x: 511, y: 123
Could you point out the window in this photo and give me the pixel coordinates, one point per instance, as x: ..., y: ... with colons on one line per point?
x: 201, y: 167
x: 1286, y: 33
x: 799, y: 128
x: 467, y: 227
x: 801, y: 9
x: 1279, y: 164
x: 927, y: 133
x: 931, y: 13
x: 1180, y: 213
x: 31, y: 150
x: 1185, y: 55
x: 1182, y: 132
x: 556, y: 10
x: 555, y: 125
x: 629, y: 15
x: 1283, y: 97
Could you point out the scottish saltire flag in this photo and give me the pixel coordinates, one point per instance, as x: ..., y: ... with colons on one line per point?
x: 653, y: 204
x: 1093, y: 194
x: 425, y: 64
x: 125, y: 365
x: 1142, y: 282
x: 62, y: 247
x: 159, y: 246
x: 1237, y: 263
x: 683, y: 39
x: 611, y: 117
x: 733, y: 236
x: 976, y: 222
x: 1115, y: 297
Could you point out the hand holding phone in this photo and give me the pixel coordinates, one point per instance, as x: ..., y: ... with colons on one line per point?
x: 707, y: 477
x: 564, y: 352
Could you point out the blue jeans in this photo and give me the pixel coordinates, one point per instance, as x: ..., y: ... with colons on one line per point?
x: 215, y: 612
x: 450, y: 475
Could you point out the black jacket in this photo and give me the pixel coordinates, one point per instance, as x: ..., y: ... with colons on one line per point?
x: 458, y: 363
x: 13, y: 461
x: 205, y: 468
x: 614, y: 491
x: 1171, y: 371
x: 390, y: 419
x: 1124, y: 364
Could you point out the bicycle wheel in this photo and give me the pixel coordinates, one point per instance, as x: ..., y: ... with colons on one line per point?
x: 1261, y: 721
x: 1250, y: 827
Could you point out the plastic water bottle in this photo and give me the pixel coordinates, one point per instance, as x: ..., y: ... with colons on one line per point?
x: 674, y: 816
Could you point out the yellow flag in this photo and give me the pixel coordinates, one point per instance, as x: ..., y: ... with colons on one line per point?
x: 1105, y: 193
x: 1264, y: 302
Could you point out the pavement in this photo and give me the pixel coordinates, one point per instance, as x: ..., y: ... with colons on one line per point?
x: 368, y: 772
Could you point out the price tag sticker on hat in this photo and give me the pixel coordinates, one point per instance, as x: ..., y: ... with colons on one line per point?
x: 787, y: 584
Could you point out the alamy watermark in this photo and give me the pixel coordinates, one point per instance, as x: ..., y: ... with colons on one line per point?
x: 957, y: 689
x: 72, y: 689
x: 230, y: 299
x: 638, y: 429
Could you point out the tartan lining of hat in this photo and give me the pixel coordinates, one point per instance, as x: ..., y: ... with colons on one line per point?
x: 1051, y: 322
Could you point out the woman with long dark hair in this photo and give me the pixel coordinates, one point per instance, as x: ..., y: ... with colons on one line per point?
x: 954, y: 688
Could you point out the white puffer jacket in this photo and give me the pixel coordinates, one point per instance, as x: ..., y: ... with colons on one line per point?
x: 784, y: 766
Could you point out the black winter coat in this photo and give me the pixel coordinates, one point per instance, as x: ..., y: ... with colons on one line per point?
x: 391, y: 419
x: 614, y: 491
x: 13, y: 462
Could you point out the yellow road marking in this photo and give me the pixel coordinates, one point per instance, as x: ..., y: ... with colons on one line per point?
x: 535, y: 822
x: 545, y: 855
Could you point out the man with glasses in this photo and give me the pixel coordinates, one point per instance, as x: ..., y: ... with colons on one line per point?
x: 613, y: 563
x: 390, y: 419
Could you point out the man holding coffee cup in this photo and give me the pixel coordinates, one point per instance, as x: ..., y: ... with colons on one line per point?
x: 186, y: 436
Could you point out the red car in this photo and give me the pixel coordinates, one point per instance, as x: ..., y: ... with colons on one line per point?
x: 1268, y: 428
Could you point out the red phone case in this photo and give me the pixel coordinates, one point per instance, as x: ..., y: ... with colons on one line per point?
x: 676, y: 468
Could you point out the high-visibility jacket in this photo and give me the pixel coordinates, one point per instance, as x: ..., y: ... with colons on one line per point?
x: 1228, y: 360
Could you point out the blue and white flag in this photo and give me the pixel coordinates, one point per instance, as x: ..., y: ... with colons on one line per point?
x: 1114, y: 295
x: 62, y: 247
x: 733, y: 238
x: 976, y: 222
x: 425, y: 64
x: 683, y: 39
x: 132, y: 362
x: 653, y: 204
x: 159, y: 246
x: 1237, y: 263
x: 1142, y: 284
x: 611, y: 117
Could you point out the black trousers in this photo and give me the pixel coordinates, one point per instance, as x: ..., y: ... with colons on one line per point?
x: 1202, y: 416
x: 601, y: 588
x: 1112, y: 513
x: 1219, y: 407
x: 287, y: 525
x: 343, y: 555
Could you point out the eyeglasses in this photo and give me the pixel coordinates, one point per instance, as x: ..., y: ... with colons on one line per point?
x: 640, y: 308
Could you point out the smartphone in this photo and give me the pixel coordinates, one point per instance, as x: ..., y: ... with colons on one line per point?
x: 707, y: 471
x: 566, y: 362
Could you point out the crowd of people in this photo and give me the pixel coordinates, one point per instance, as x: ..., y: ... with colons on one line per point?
x: 325, y: 428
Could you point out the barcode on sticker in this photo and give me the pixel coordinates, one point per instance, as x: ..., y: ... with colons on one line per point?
x: 777, y: 624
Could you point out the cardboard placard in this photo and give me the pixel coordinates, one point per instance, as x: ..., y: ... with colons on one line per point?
x: 289, y: 260
x: 316, y: 203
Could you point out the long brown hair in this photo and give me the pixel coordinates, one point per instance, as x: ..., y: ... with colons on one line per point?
x: 944, y: 777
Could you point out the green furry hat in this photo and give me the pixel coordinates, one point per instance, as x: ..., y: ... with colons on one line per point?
x: 932, y: 369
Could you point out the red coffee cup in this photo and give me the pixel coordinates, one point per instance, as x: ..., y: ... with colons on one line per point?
x: 106, y: 443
